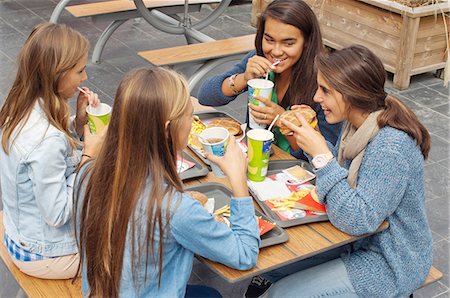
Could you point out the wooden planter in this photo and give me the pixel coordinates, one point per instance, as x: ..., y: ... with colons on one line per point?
x: 408, y: 40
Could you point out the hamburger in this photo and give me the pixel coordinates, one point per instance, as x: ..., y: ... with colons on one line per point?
x: 233, y: 126
x: 307, y: 112
x: 203, y: 199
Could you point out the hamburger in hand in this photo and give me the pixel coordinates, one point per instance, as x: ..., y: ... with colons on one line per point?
x: 307, y: 112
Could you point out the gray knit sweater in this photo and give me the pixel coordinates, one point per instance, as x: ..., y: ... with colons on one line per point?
x: 395, y: 262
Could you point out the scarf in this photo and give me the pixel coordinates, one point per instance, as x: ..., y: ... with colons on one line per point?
x: 354, y: 143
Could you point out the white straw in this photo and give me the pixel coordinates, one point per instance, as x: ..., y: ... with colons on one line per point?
x: 273, y: 122
x: 82, y: 90
x: 273, y: 64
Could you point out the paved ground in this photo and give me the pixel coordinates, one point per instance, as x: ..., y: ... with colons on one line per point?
x: 426, y: 95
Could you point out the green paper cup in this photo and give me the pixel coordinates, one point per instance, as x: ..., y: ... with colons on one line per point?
x: 258, y: 143
x: 262, y: 88
x: 98, y: 117
x: 218, y: 138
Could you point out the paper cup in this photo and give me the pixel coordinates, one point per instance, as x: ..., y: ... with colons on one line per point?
x: 217, y: 138
x: 98, y: 117
x: 262, y: 88
x: 258, y: 143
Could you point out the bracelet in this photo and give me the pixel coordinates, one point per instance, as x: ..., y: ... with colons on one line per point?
x: 232, y: 85
x: 86, y: 155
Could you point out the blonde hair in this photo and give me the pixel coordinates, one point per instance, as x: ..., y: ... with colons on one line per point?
x: 137, y: 147
x: 48, y: 54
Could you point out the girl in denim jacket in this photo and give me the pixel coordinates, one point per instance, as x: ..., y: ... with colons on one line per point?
x: 38, y: 154
x: 138, y: 230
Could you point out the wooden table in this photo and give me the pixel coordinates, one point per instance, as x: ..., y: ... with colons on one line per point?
x: 304, y: 240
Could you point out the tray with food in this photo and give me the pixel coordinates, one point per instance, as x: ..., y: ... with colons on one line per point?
x: 188, y: 167
x: 288, y: 195
x: 203, y: 120
x: 218, y: 202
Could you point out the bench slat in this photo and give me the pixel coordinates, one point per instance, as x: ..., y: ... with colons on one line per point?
x: 200, y: 51
x: 433, y: 276
x: 36, y: 287
x: 108, y: 7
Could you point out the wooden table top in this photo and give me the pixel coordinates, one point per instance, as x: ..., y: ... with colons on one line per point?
x: 304, y: 241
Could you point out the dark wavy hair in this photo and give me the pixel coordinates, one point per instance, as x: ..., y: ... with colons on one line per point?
x: 297, y: 13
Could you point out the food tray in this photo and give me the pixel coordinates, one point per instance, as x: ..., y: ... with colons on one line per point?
x: 222, y: 196
x: 204, y: 116
x: 276, y: 166
x: 198, y: 170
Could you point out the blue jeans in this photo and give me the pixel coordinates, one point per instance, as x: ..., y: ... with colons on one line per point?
x: 199, y: 291
x: 279, y: 273
x: 329, y: 279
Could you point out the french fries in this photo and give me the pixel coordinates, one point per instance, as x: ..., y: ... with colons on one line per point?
x: 224, y: 211
x: 197, y: 127
x: 287, y: 203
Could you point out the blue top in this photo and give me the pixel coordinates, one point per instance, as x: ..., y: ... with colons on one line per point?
x: 210, y: 94
x: 36, y: 180
x: 192, y: 231
x: 390, y: 187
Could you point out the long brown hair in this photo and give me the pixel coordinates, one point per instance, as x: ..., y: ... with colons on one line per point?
x: 303, y: 84
x: 359, y: 75
x: 137, y: 148
x: 48, y: 54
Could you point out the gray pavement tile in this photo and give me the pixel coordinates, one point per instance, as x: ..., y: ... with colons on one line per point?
x: 440, y: 148
x: 12, y: 44
x: 127, y: 63
x: 6, y: 28
x: 22, y: 20
x: 443, y: 295
x: 439, y: 87
x: 443, y: 109
x: 432, y: 120
x: 436, y: 237
x: 428, y: 78
x: 445, y: 133
x: 426, y: 96
x: 436, y: 180
x: 432, y: 290
x: 438, y: 213
x: 445, y: 163
x: 407, y: 101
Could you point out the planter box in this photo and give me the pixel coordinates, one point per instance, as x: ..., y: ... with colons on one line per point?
x: 408, y: 40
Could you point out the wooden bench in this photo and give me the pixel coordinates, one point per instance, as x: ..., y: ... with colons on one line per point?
x: 36, y: 287
x: 119, y: 11
x: 211, y: 54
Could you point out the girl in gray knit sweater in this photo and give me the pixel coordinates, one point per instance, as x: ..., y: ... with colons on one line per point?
x: 373, y: 174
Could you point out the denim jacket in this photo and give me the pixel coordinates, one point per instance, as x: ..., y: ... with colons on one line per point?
x: 37, y: 179
x: 192, y: 231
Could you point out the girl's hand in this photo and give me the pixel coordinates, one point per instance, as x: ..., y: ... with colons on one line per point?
x: 265, y: 115
x: 257, y: 66
x: 84, y: 99
x: 307, y: 138
x: 234, y: 166
x: 93, y: 143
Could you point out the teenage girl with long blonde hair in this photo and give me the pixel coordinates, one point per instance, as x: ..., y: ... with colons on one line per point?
x: 38, y: 153
x: 138, y: 230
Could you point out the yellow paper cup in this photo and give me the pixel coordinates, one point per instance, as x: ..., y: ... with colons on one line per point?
x: 258, y: 143
x: 98, y: 117
x: 261, y: 88
x: 218, y: 138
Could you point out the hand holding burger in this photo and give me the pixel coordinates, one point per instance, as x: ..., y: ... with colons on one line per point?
x: 307, y: 138
x: 306, y: 111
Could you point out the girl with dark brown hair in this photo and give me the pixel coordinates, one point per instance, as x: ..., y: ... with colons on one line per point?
x: 288, y: 32
x: 373, y: 174
x: 138, y: 230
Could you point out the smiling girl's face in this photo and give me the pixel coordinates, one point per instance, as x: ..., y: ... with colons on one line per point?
x: 332, y: 102
x: 282, y: 42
